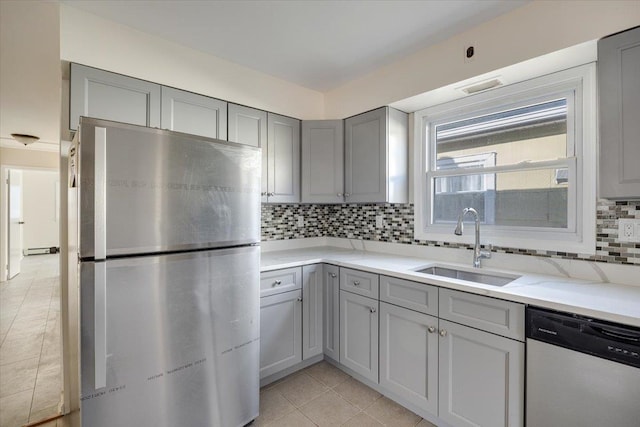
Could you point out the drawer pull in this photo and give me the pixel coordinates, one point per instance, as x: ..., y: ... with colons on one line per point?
x: 333, y: 275
x: 443, y: 333
x: 372, y: 309
x: 299, y: 298
x: 277, y: 283
x: 356, y: 283
x: 431, y: 329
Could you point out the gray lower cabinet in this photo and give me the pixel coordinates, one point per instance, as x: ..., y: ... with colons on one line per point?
x: 409, y: 355
x: 192, y: 113
x: 331, y: 309
x: 247, y: 126
x: 619, y: 99
x: 281, y: 160
x: 481, y: 378
x: 312, y: 310
x: 280, y: 332
x: 376, y: 157
x: 359, y: 334
x: 322, y: 161
x: 110, y: 96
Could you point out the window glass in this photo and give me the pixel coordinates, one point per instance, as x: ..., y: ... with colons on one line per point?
x: 531, y: 133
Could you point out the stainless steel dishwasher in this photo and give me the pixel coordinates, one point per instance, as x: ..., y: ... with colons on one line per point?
x: 581, y: 372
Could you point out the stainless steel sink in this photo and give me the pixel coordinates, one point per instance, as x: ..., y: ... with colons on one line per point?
x: 469, y: 276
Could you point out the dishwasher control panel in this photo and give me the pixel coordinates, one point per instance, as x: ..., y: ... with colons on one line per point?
x: 608, y: 340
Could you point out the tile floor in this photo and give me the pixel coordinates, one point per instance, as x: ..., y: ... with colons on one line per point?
x: 30, y: 343
x: 323, y: 395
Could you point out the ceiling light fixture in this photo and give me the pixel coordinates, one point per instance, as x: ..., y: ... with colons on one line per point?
x: 24, y: 138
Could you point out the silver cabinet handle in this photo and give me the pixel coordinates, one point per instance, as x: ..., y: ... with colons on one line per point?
x: 271, y: 194
x: 443, y: 333
x: 347, y: 194
x: 372, y: 309
x: 264, y: 193
x: 431, y: 329
x: 333, y: 275
x: 339, y: 194
x: 277, y: 283
x: 356, y: 283
x: 299, y: 298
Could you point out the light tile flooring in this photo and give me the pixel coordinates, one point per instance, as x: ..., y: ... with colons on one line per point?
x: 30, y: 343
x: 323, y: 395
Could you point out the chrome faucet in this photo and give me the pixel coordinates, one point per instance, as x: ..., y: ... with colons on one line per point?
x: 478, y: 254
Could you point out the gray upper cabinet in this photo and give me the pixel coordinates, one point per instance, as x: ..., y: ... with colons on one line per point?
x: 247, y: 126
x: 189, y: 112
x: 104, y: 95
x: 376, y: 157
x: 281, y: 173
x: 359, y: 334
x: 322, y: 161
x: 331, y: 308
x: 312, y: 296
x: 619, y: 95
x: 409, y: 355
x: 481, y: 378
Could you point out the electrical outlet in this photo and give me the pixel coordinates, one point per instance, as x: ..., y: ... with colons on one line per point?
x: 629, y: 230
x: 300, y: 221
x: 379, y: 221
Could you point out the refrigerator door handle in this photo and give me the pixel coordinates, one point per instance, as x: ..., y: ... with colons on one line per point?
x: 100, y: 194
x: 100, y: 325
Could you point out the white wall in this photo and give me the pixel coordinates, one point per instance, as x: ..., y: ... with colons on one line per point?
x: 40, y: 204
x: 536, y: 29
x: 90, y: 40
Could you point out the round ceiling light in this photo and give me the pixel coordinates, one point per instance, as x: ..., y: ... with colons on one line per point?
x: 24, y: 138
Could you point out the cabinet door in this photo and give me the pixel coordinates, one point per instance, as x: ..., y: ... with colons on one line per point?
x: 247, y: 126
x: 331, y: 308
x: 366, y: 157
x: 189, y: 112
x: 481, y: 378
x: 359, y: 334
x: 619, y: 92
x: 322, y: 161
x: 409, y: 355
x: 110, y: 96
x: 280, y: 332
x: 312, y: 276
x: 283, y: 159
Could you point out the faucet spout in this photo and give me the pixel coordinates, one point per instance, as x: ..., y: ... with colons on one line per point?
x: 478, y: 254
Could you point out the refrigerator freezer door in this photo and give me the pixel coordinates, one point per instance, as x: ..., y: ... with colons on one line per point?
x: 181, y: 340
x: 146, y: 190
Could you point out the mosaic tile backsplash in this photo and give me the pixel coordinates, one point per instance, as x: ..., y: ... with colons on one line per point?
x: 352, y: 221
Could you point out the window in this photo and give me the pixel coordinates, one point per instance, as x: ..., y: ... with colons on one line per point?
x: 522, y: 155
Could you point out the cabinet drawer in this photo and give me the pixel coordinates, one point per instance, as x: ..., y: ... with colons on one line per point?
x: 359, y: 282
x: 413, y: 295
x: 278, y: 281
x: 489, y: 314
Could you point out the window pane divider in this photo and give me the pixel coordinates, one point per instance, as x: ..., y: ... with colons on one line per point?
x: 516, y: 167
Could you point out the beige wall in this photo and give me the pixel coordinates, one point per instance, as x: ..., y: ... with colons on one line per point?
x: 539, y: 28
x: 25, y: 158
x: 90, y: 40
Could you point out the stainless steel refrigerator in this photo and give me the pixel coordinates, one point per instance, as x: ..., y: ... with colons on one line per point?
x: 164, y: 234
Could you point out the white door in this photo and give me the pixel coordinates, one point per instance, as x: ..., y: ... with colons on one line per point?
x: 15, y: 222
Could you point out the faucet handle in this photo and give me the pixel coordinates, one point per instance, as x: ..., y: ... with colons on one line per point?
x: 487, y: 252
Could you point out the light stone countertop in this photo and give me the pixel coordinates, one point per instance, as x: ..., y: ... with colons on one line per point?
x: 607, y: 301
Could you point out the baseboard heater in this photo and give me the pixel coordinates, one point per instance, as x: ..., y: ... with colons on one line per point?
x: 40, y: 251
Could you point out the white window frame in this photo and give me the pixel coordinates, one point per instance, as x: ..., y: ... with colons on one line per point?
x: 579, y: 84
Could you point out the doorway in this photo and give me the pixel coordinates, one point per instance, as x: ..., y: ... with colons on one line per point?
x: 30, y: 318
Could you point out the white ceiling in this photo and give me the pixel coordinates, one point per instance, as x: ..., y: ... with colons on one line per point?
x: 316, y: 44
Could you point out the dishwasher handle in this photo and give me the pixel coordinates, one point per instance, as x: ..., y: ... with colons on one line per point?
x: 616, y: 335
